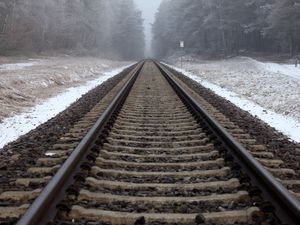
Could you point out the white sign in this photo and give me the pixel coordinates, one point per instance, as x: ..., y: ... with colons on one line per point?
x: 181, y: 44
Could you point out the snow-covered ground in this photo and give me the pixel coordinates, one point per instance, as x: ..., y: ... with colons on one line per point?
x: 34, y: 91
x: 285, y: 69
x: 13, y: 127
x: 30, y: 89
x: 15, y: 66
x: 25, y: 83
x: 267, y: 90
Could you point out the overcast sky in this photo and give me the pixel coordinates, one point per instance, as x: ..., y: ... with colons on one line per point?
x: 149, y: 8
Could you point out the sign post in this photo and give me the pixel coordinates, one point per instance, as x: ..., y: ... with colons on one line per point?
x: 181, y: 46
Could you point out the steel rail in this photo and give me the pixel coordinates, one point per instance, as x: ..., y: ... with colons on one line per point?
x: 287, y: 207
x: 44, y: 208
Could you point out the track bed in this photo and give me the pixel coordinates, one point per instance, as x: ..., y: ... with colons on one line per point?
x: 154, y: 162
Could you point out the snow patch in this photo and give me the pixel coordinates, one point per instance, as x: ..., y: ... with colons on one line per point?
x: 287, y: 125
x: 16, y: 66
x: 13, y: 127
x: 51, y: 154
x: 285, y: 69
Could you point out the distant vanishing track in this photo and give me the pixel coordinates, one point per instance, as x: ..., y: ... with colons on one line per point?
x: 154, y: 157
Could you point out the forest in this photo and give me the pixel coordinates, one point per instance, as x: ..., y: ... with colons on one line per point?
x: 219, y: 28
x: 114, y: 28
x: 111, y: 28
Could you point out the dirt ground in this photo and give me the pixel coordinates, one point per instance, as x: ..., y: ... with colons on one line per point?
x: 25, y: 82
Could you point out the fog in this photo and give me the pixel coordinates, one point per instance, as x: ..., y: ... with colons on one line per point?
x: 100, y: 28
x: 148, y: 8
x: 115, y: 29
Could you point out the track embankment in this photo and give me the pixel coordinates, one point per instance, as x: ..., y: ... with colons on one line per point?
x: 152, y: 160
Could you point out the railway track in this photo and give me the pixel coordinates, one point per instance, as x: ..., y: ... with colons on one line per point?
x: 154, y: 156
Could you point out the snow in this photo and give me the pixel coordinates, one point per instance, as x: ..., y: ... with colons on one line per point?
x: 25, y: 87
x: 285, y: 124
x: 254, y: 81
x: 13, y: 127
x: 286, y: 69
x: 50, y: 154
x: 15, y: 66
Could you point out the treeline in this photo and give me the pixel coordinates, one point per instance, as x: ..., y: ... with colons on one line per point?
x: 113, y: 27
x: 226, y: 27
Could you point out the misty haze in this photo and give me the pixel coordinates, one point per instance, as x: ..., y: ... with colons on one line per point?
x: 149, y: 112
